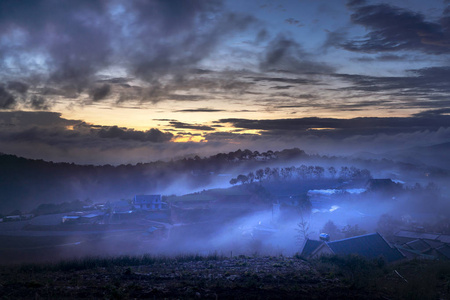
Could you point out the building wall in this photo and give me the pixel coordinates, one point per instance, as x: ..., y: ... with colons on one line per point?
x: 321, y: 251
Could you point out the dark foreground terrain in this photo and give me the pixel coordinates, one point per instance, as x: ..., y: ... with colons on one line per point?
x: 218, y: 277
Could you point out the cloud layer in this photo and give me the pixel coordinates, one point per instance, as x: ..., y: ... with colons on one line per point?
x: 230, y: 74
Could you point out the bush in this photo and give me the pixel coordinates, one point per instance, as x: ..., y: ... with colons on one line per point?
x: 356, y: 271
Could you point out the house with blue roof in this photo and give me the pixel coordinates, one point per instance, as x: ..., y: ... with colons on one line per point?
x: 369, y: 245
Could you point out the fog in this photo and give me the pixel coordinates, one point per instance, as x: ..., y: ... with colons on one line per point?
x: 296, y: 198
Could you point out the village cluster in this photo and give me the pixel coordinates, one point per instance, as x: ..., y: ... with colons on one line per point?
x: 155, y: 215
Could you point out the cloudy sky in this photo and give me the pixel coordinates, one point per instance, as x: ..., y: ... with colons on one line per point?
x: 115, y: 81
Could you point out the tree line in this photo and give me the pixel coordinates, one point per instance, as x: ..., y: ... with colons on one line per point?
x: 303, y: 172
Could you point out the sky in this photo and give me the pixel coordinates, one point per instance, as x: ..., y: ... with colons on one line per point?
x: 115, y: 81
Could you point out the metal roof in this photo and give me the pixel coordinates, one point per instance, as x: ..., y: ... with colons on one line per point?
x: 444, y: 238
x: 310, y: 246
x: 417, y: 235
x: 444, y: 250
x: 369, y: 245
x: 93, y: 215
x: 418, y: 245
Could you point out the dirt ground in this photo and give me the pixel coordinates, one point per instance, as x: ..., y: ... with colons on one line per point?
x: 241, y: 277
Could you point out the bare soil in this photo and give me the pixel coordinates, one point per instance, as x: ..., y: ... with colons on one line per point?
x: 197, y: 277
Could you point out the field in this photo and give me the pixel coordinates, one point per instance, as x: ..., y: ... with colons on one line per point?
x: 220, y: 277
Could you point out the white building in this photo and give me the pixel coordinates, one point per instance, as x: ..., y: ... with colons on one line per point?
x: 148, y: 202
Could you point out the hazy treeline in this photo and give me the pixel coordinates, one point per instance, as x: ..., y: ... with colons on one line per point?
x: 302, y: 172
x: 26, y: 183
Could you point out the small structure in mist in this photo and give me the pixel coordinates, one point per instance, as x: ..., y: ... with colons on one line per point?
x: 385, y: 185
x: 91, y: 218
x: 70, y: 219
x: 423, y: 245
x: 324, y: 237
x: 148, y: 202
x: 369, y: 245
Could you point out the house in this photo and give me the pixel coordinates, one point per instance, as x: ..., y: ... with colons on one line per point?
x: 12, y: 218
x: 369, y: 245
x: 92, y: 218
x: 423, y: 245
x: 383, y: 185
x: 310, y: 246
x: 69, y: 219
x: 405, y: 236
x: 148, y: 202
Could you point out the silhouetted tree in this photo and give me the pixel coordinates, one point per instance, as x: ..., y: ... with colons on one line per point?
x: 242, y: 178
x: 267, y: 171
x: 251, y: 177
x: 259, y: 174
x: 350, y: 231
x: 332, y: 172
x: 303, y: 228
x: 319, y: 171
x: 388, y: 225
x: 344, y: 173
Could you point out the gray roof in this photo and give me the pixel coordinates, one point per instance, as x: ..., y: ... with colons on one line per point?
x: 444, y: 238
x: 369, y: 245
x: 310, y: 246
x: 434, y: 244
x: 418, y: 245
x: 444, y: 250
x: 417, y: 235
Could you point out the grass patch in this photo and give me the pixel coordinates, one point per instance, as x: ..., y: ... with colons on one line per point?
x: 117, y: 261
x: 353, y: 270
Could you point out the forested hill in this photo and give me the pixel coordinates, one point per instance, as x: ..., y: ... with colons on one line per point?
x: 25, y: 183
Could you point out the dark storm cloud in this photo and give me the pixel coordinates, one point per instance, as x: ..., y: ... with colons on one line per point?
x: 27, y: 119
x: 433, y: 112
x: 18, y: 87
x: 340, y: 128
x: 352, y: 3
x: 426, y: 88
x: 383, y: 58
x: 231, y: 136
x: 153, y: 135
x: 178, y: 97
x: 7, y: 100
x: 281, y: 87
x: 200, y: 110
x: 100, y: 92
x: 49, y: 136
x: 292, y: 106
x: 285, y: 54
x: 63, y: 45
x: 164, y: 120
x: 393, y: 29
x: 220, y: 82
x: 76, y: 44
x: 179, y: 125
x: 155, y: 57
x: 38, y: 103
x: 293, y: 21
x: 307, y: 96
x: 117, y: 80
x: 223, y: 82
x: 52, y: 129
x: 299, y: 81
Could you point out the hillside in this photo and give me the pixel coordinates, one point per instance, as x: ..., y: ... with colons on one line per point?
x: 220, y: 277
x: 26, y: 183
